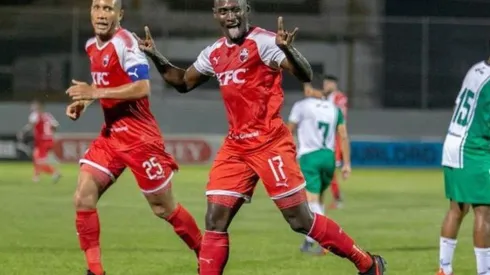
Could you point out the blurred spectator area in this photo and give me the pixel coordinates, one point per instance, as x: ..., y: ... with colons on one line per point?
x: 386, y: 53
x: 43, y: 38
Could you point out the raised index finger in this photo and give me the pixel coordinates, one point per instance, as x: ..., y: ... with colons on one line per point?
x: 280, y: 24
x: 148, y: 33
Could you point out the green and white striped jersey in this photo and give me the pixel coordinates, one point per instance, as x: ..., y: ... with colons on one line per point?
x: 469, y: 130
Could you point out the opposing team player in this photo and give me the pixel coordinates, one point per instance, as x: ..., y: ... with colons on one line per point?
x: 247, y: 63
x: 129, y: 138
x: 320, y: 124
x: 330, y: 86
x: 466, y: 164
x: 43, y: 125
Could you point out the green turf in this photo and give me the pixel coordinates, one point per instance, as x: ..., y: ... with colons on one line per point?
x: 395, y: 213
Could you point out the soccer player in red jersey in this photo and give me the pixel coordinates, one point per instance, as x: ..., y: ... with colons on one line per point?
x: 247, y: 63
x: 330, y: 85
x: 130, y: 136
x: 43, y: 125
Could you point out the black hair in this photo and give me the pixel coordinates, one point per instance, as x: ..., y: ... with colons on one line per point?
x: 317, y: 82
x: 330, y: 77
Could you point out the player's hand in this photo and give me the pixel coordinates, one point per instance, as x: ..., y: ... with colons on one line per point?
x: 284, y: 38
x: 81, y: 91
x: 148, y: 44
x: 346, y: 170
x: 75, y: 109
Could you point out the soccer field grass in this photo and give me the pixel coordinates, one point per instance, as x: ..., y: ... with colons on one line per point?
x: 393, y: 212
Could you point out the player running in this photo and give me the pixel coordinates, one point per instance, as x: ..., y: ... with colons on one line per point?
x: 330, y: 85
x: 466, y: 164
x: 43, y: 125
x: 247, y: 63
x: 129, y: 138
x: 320, y: 125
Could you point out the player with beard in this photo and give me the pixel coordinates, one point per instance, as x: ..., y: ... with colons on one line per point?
x: 130, y: 136
x: 247, y: 63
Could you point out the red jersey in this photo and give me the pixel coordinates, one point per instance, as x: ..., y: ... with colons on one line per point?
x: 250, y: 84
x: 340, y: 100
x: 119, y: 61
x: 42, y: 126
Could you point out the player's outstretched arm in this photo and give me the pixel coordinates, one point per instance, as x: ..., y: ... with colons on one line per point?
x: 182, y: 80
x: 295, y: 62
x: 345, y: 145
x: 134, y: 90
x: 294, y: 117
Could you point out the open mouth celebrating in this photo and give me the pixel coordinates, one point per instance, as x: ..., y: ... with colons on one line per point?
x: 234, y: 30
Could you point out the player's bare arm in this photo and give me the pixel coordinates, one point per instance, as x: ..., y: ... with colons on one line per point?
x: 182, y: 80
x: 292, y: 127
x: 24, y: 130
x: 295, y: 62
x: 134, y: 90
x: 345, y: 144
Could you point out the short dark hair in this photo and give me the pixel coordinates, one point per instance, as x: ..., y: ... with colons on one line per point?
x: 317, y: 81
x: 330, y: 77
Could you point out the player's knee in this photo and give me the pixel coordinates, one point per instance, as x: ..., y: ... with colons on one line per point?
x: 162, y: 203
x: 459, y: 210
x: 299, y: 224
x: 299, y: 218
x: 482, y: 212
x: 215, y: 221
x: 84, y: 201
x: 87, y: 192
x: 219, y: 216
x: 161, y: 211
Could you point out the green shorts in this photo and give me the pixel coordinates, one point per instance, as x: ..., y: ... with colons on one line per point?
x: 470, y: 184
x: 318, y: 168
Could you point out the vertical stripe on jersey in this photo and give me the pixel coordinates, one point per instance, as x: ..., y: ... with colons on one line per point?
x: 461, y: 149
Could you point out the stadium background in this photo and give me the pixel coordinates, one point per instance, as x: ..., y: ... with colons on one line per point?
x: 400, y: 62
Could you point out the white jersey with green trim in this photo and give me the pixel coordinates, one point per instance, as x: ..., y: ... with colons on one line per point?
x: 469, y: 128
x: 317, y: 121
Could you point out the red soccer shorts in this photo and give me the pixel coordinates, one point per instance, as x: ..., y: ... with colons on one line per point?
x: 151, y: 166
x: 41, y: 150
x: 338, y: 151
x: 236, y: 174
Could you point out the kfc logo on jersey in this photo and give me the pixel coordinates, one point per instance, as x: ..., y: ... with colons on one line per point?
x: 105, y: 61
x: 235, y: 76
x: 100, y: 78
x: 243, y: 55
